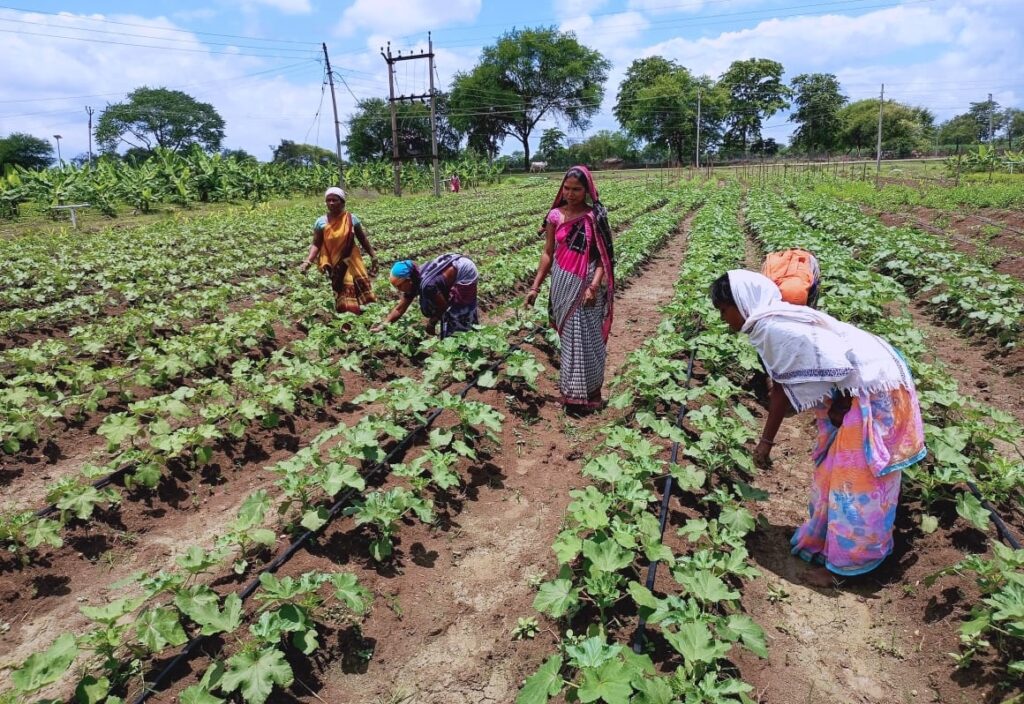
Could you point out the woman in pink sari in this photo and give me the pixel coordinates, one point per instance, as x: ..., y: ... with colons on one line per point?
x: 579, y: 256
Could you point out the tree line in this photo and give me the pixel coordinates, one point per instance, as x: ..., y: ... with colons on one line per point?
x: 540, y: 74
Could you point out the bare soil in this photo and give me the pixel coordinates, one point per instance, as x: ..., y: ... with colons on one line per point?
x: 876, y: 639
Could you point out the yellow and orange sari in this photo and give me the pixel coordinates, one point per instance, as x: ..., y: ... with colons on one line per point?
x: 343, y: 264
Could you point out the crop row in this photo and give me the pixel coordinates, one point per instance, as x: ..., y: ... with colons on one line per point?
x: 958, y: 288
x: 611, y: 533
x: 186, y: 425
x: 78, y: 386
x: 54, y: 277
x: 941, y: 197
x: 308, y: 481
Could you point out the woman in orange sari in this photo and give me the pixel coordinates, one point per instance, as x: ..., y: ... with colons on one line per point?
x: 336, y: 255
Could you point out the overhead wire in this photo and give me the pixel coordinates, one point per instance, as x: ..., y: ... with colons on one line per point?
x: 104, y: 20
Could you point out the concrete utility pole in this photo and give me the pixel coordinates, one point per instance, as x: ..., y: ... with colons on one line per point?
x: 697, y: 148
x: 433, y: 118
x: 991, y: 114
x: 392, y: 100
x: 878, y: 145
x: 337, y: 125
x: 89, y: 111
x: 59, y: 160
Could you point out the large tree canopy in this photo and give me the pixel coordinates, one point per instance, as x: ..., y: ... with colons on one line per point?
x: 657, y: 102
x: 528, y: 74
x: 818, y: 100
x: 756, y: 92
x: 298, y: 154
x: 20, y: 149
x: 158, y: 117
x: 904, y: 127
x: 369, y: 131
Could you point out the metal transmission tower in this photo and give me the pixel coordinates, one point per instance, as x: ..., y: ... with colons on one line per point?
x: 392, y: 100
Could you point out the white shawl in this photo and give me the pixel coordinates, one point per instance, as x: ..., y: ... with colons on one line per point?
x: 809, y: 352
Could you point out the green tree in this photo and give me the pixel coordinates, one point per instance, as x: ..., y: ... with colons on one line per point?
x: 20, y: 149
x: 239, y: 155
x: 298, y: 154
x: 988, y: 119
x: 1013, y: 118
x: 604, y: 144
x: 527, y: 75
x: 550, y: 146
x: 905, y: 128
x: 158, y: 117
x: 958, y: 130
x: 657, y: 102
x: 756, y: 92
x: 369, y: 131
x: 818, y: 99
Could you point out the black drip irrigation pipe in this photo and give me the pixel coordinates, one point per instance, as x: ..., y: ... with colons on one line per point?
x: 1001, y: 526
x: 332, y: 513
x: 666, y: 494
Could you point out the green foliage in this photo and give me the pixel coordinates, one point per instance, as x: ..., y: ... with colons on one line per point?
x: 657, y: 102
x: 755, y: 92
x: 296, y: 154
x: 158, y: 117
x: 904, y: 128
x: 817, y: 99
x: 26, y: 151
x: 369, y: 131
x: 527, y: 75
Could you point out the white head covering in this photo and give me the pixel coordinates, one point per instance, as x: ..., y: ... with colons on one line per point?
x: 335, y: 191
x: 809, y: 352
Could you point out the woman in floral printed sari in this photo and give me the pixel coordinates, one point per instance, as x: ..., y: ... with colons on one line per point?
x: 336, y: 255
x: 869, y: 421
x: 579, y: 256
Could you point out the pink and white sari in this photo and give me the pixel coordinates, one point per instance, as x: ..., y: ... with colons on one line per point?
x: 581, y: 245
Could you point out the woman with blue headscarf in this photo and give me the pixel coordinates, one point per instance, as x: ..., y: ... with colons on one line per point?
x: 446, y: 287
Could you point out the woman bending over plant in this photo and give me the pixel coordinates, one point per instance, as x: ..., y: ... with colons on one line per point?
x: 869, y: 422
x: 446, y: 288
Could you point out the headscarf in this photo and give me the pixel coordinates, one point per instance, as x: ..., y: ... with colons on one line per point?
x: 334, y: 191
x: 603, y: 236
x: 403, y: 269
x: 809, y: 352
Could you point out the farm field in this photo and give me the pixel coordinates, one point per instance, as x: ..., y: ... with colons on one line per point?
x: 200, y: 457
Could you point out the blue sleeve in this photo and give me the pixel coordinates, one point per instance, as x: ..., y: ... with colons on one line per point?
x: 321, y: 221
x: 355, y: 220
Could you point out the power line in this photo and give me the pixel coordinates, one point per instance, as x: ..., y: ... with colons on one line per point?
x: 147, y: 26
x: 188, y: 85
x: 147, y: 36
x: 157, y: 48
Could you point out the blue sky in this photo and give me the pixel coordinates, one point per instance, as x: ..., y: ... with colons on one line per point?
x: 257, y: 61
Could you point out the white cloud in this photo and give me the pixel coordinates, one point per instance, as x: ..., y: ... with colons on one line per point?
x: 397, y: 17
x: 941, y: 57
x: 568, y: 9
x: 260, y: 105
x: 290, y: 7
